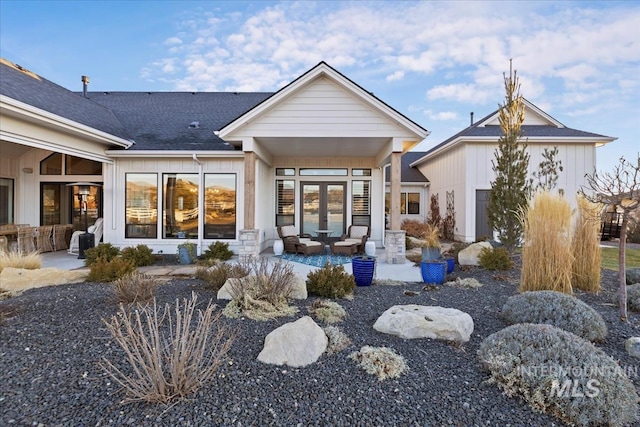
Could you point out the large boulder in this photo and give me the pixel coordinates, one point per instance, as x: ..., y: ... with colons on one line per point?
x: 470, y: 255
x: 633, y: 275
x: 19, y: 279
x: 294, y: 344
x: 419, y: 321
x: 298, y: 288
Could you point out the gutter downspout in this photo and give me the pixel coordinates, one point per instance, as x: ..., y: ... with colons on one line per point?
x: 200, y: 203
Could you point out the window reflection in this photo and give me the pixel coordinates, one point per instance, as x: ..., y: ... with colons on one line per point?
x: 141, y: 200
x: 220, y: 206
x: 180, y: 206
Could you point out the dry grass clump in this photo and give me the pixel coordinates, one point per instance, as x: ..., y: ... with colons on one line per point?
x: 134, y: 288
x: 545, y: 365
x: 327, y: 311
x: 170, y: 352
x: 338, y: 340
x: 16, y: 259
x: 586, y: 247
x: 217, y: 275
x: 264, y: 293
x: 546, y: 255
x: 555, y: 308
x: 382, y: 362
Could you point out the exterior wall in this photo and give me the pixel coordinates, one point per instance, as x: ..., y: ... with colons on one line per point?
x: 449, y: 172
x: 423, y: 190
x: 323, y: 108
x: 114, y: 196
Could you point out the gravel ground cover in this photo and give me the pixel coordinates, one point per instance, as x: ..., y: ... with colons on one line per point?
x: 49, y: 353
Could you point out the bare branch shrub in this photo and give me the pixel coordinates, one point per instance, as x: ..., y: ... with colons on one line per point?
x: 217, y: 275
x: 264, y: 293
x: 134, y: 288
x: 169, y: 356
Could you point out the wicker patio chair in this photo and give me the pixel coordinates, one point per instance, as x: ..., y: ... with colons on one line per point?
x: 357, y: 234
x: 59, y: 237
x: 290, y: 238
x: 44, y: 240
x: 26, y: 239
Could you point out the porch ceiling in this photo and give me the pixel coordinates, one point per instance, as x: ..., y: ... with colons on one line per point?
x: 323, y: 147
x: 9, y: 149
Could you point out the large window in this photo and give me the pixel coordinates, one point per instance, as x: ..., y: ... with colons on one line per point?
x: 409, y: 203
x: 6, y: 201
x: 220, y: 206
x: 180, y: 210
x: 141, y: 200
x: 361, y: 203
x: 52, y: 165
x: 285, y: 202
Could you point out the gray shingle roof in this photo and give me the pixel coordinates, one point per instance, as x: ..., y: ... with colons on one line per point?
x: 161, y: 120
x: 407, y: 173
x: 29, y: 88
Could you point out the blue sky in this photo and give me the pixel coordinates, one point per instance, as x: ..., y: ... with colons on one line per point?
x: 433, y: 61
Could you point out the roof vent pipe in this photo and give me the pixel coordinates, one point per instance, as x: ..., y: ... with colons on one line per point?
x: 85, y: 82
x: 472, y: 118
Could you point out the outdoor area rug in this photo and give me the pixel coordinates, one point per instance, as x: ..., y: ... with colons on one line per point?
x: 316, y: 260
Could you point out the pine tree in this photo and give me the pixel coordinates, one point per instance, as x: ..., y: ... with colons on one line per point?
x: 511, y: 188
x: 548, y: 168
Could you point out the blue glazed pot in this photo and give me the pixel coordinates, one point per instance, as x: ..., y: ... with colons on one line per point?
x: 363, y: 268
x: 451, y: 264
x: 433, y: 271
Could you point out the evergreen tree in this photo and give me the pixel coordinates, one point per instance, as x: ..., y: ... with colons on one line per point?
x: 511, y: 188
x: 548, y: 168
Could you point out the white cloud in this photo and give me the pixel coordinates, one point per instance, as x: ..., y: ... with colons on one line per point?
x: 441, y: 115
x: 398, y: 75
x: 173, y: 41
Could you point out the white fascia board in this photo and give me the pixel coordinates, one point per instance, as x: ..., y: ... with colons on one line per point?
x: 31, y: 113
x: 302, y: 81
x: 174, y: 153
x: 57, y: 148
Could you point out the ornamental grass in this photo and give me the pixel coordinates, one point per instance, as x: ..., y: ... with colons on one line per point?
x: 546, y: 254
x: 586, y: 246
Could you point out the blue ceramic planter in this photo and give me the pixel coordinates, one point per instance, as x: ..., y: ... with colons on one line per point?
x: 451, y: 264
x: 433, y: 271
x: 363, y: 268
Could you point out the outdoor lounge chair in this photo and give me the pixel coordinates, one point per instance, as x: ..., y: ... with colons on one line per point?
x: 357, y: 234
x: 344, y: 247
x: 295, y: 243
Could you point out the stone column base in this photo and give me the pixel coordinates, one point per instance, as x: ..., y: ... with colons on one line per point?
x: 395, y: 246
x: 249, y: 244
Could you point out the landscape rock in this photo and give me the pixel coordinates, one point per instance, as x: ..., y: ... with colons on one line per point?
x: 470, y: 254
x: 294, y: 344
x: 632, y: 345
x: 418, y: 321
x: 298, y: 288
x: 633, y: 275
x: 19, y: 279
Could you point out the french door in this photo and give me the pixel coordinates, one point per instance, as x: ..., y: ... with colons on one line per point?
x: 323, y: 207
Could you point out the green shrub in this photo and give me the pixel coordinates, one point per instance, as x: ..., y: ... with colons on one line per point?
x: 216, y: 276
x: 139, y: 256
x: 537, y: 361
x: 134, y: 288
x: 330, y: 281
x: 104, y: 270
x: 105, y: 251
x: 218, y: 250
x: 633, y: 297
x: 558, y: 309
x: 495, y: 259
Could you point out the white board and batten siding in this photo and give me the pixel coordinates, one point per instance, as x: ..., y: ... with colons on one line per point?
x: 323, y: 109
x: 448, y: 171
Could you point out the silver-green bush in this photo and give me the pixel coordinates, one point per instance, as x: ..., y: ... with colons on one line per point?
x: 557, y: 309
x: 559, y: 373
x: 633, y: 297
